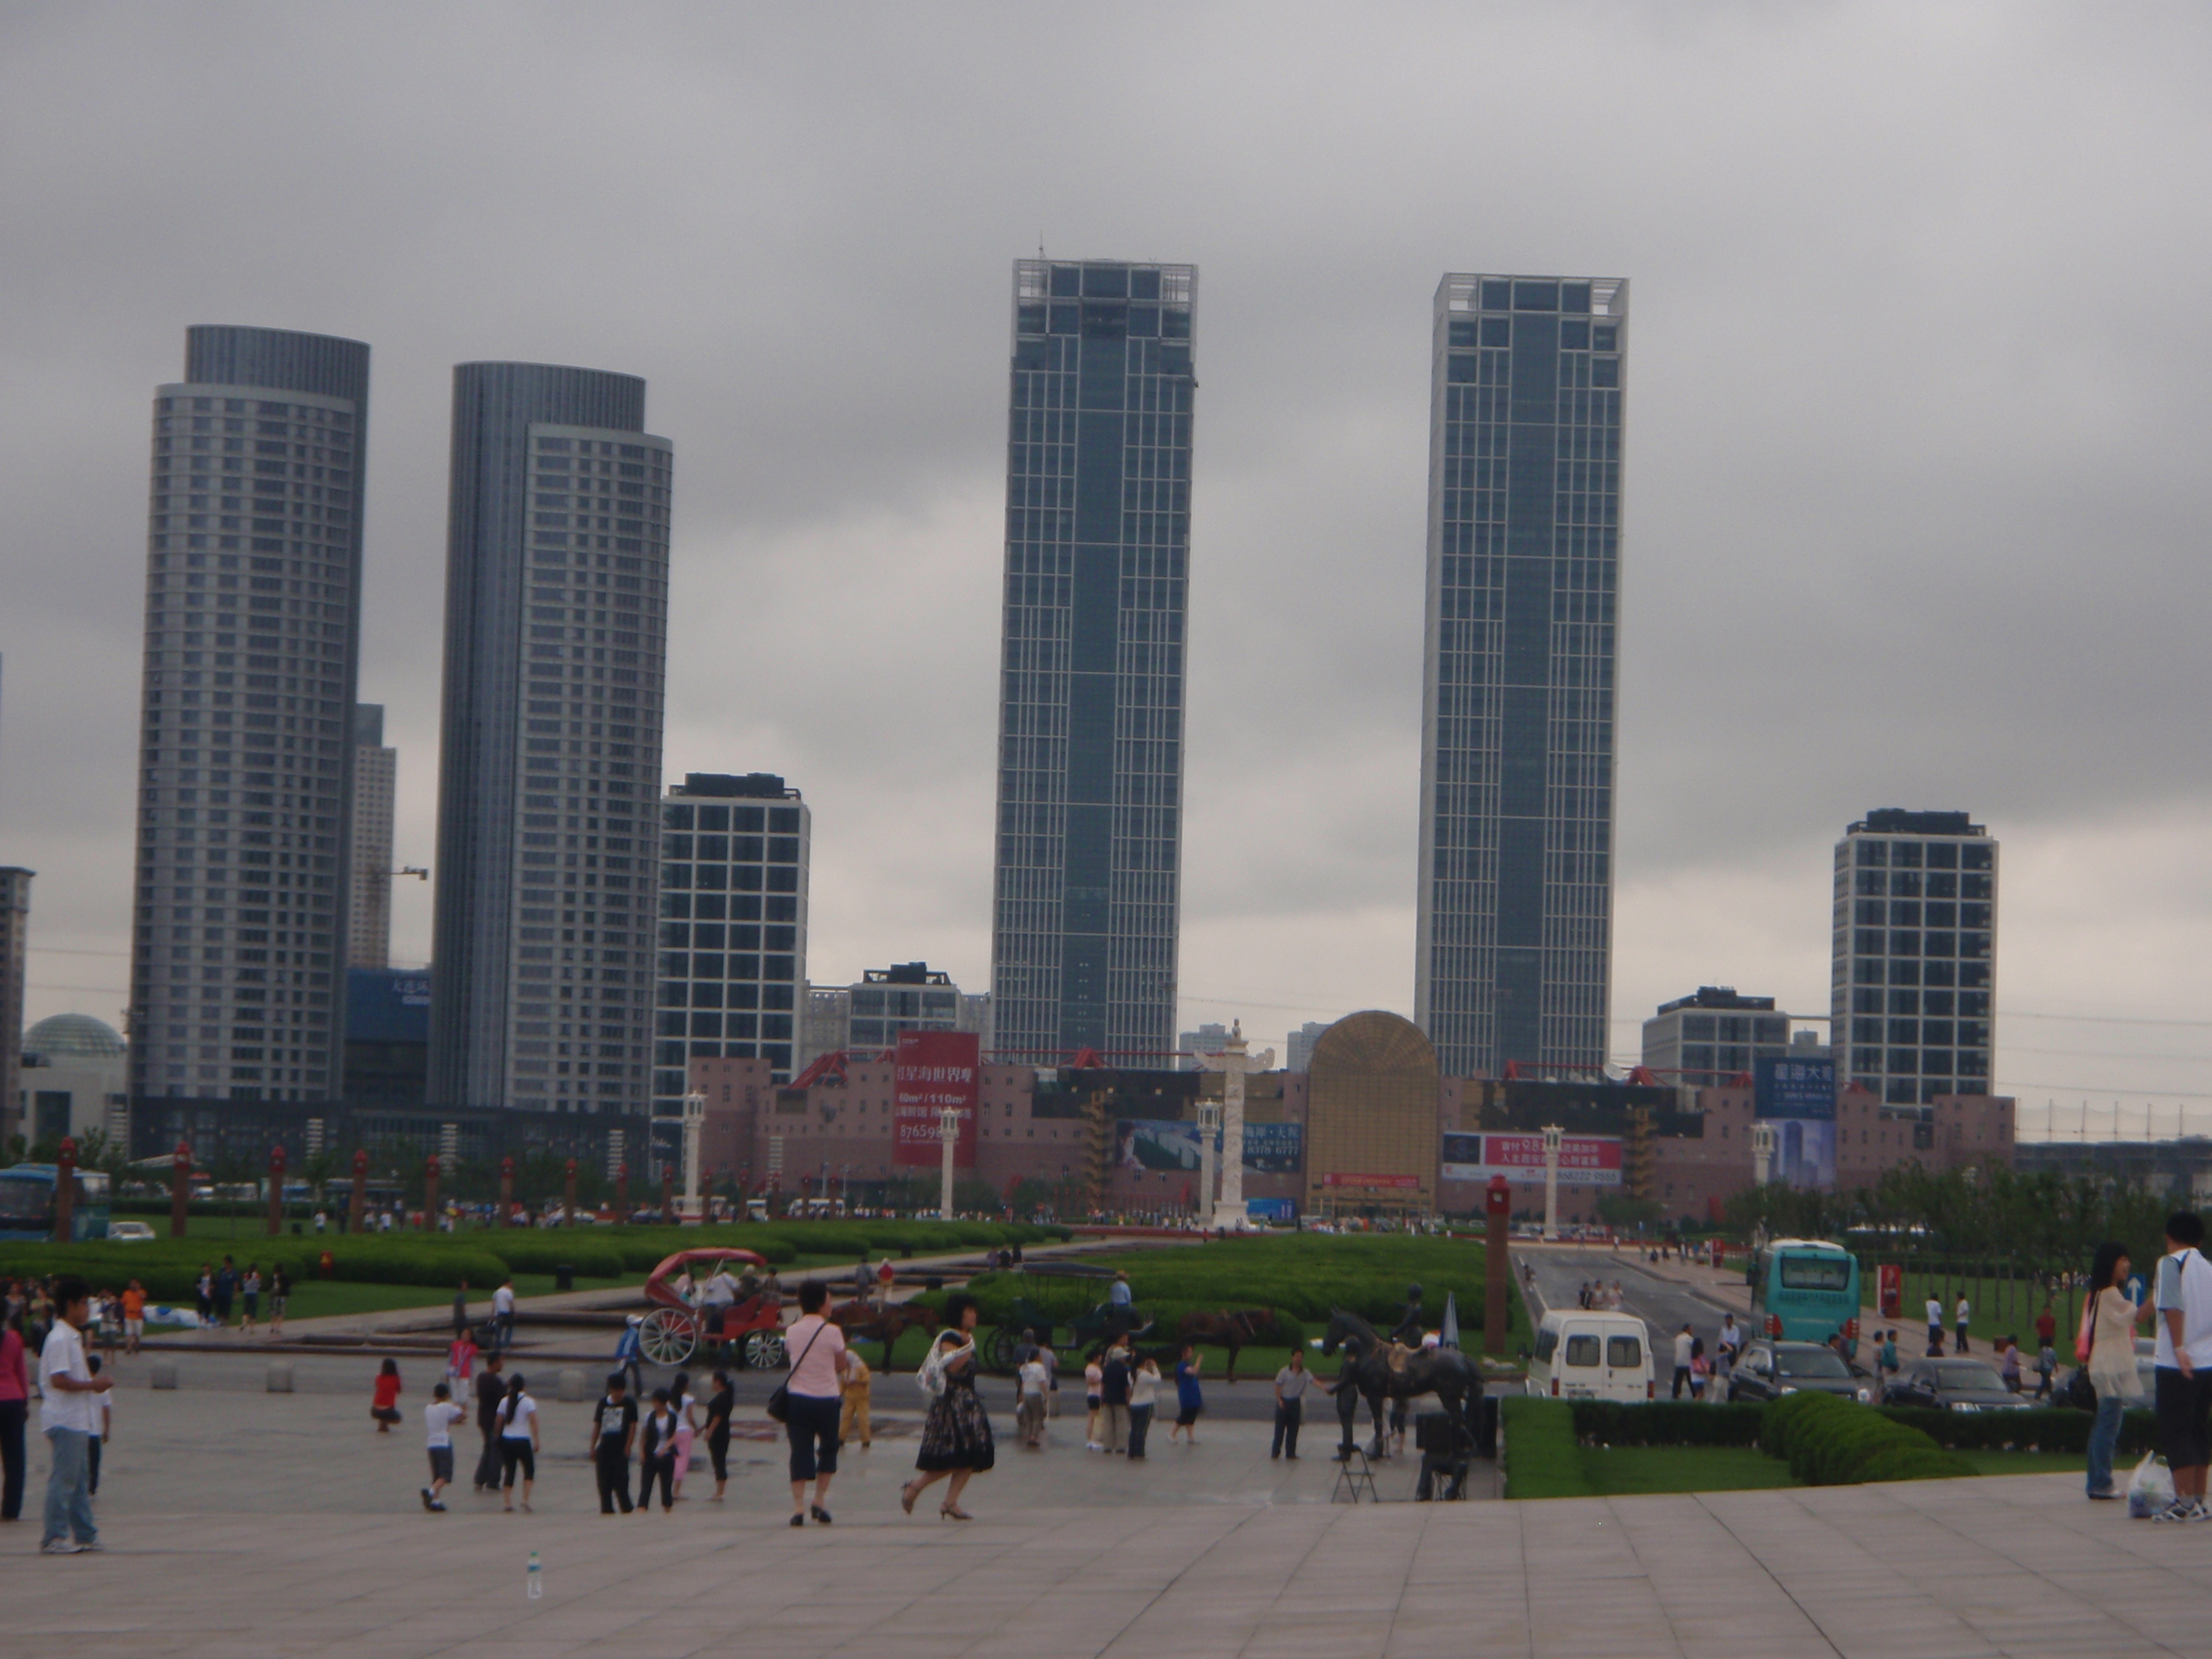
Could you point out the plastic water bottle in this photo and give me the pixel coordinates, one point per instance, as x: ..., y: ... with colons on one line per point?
x: 533, y: 1579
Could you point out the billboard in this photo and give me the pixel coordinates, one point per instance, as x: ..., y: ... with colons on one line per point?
x: 1156, y: 1144
x: 1584, y: 1160
x: 1797, y: 1098
x: 1274, y: 1148
x: 930, y: 1070
x: 1272, y: 1209
x: 1387, y: 1184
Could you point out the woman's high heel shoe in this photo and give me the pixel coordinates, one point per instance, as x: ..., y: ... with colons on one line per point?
x: 908, y: 1493
x: 952, y: 1512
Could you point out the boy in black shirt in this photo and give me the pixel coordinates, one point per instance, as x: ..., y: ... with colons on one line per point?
x: 614, y: 1426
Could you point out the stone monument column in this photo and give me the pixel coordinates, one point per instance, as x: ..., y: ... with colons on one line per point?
x: 1235, y: 1060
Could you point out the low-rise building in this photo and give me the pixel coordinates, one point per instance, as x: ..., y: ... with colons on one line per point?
x: 76, y: 1078
x: 1713, y: 1035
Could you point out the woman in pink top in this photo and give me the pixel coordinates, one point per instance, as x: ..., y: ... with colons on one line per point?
x: 815, y: 1394
x: 14, y: 1404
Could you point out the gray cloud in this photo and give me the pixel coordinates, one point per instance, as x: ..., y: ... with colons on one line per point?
x: 1914, y: 493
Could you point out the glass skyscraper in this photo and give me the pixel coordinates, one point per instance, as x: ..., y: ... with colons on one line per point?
x: 1089, y: 839
x: 549, y: 832
x: 1516, y: 900
x: 245, y: 753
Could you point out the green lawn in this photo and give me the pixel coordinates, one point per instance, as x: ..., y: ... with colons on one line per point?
x: 1620, y: 1470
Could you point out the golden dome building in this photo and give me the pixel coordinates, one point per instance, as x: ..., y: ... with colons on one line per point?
x: 1371, y: 1128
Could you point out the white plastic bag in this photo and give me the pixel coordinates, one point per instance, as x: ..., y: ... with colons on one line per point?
x: 2150, y: 1489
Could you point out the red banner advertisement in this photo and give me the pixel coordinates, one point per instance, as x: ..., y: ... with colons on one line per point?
x: 931, y: 1071
x: 1384, y: 1182
x: 1584, y: 1160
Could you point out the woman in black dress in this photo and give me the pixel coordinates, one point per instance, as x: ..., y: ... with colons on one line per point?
x: 956, y: 1439
x: 720, y: 1405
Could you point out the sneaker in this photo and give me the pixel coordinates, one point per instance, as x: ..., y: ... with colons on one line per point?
x: 436, y: 1508
x: 428, y: 1502
x: 2198, y: 1510
x: 2177, y: 1510
x: 59, y: 1547
x: 94, y: 1546
x: 2108, y: 1493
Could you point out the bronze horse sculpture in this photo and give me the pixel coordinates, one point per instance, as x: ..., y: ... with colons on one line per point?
x: 1377, y: 1371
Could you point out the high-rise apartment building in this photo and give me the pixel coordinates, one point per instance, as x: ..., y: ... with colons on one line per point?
x: 1297, y: 1049
x: 368, y: 853
x: 866, y: 1019
x: 244, y: 797
x: 1516, y: 900
x: 1912, y: 984
x: 14, y: 928
x: 733, y: 860
x: 1713, y: 1035
x: 556, y: 610
x: 1089, y: 859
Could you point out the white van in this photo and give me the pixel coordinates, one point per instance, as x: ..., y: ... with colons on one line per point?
x: 1588, y: 1355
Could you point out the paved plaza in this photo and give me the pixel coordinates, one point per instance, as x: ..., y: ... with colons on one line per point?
x: 241, y: 1524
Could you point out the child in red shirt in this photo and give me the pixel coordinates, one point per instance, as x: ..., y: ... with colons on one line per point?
x: 385, y: 1407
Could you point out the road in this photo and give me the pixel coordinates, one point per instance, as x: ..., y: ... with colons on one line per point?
x: 1661, y: 1303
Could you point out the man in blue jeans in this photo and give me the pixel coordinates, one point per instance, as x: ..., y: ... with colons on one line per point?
x: 70, y: 1417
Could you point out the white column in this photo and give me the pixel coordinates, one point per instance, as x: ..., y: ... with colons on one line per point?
x: 948, y: 1129
x: 695, y: 1123
x: 1553, y: 1134
x: 1234, y: 1062
x: 1209, y: 1127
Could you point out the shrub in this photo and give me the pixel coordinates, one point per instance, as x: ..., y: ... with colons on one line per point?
x: 2037, y: 1429
x: 1538, y: 1447
x: 1830, y: 1441
x: 1665, y: 1422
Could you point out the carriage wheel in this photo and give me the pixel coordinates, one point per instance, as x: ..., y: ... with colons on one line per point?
x: 764, y: 1351
x: 999, y: 1348
x: 668, y: 1337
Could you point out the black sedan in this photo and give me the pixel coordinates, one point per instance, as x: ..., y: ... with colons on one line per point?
x: 1956, y: 1385
x: 1768, y: 1370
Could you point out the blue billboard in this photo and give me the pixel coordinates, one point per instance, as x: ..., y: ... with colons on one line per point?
x: 1274, y: 1148
x: 1797, y: 1098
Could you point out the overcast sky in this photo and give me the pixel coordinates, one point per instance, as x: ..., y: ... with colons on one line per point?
x: 1914, y: 497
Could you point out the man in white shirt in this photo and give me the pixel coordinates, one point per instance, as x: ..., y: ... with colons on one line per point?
x: 2183, y: 1363
x: 1966, y: 1311
x: 503, y: 1314
x: 1935, y: 1320
x: 69, y: 1418
x: 1686, y: 1347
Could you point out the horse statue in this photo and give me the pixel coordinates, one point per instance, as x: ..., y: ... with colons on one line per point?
x: 1377, y: 1371
x: 1233, y: 1328
x: 865, y: 1321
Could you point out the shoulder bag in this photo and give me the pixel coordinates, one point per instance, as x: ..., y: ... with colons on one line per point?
x: 779, y: 1403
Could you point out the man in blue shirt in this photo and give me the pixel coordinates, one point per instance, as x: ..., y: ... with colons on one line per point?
x: 1118, y: 1296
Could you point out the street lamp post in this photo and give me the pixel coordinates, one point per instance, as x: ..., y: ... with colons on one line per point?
x: 948, y: 1129
x: 1553, y: 1134
x: 1762, y: 1153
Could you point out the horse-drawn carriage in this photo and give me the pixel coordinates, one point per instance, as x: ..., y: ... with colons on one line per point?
x: 1092, y: 1328
x: 673, y: 1331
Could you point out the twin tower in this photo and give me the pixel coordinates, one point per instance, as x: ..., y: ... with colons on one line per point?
x: 1519, y: 649
x: 555, y: 648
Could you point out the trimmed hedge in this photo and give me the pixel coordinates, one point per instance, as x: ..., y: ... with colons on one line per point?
x: 1830, y: 1441
x: 2044, y: 1429
x: 1664, y: 1423
x: 169, y: 1267
x: 1542, y: 1457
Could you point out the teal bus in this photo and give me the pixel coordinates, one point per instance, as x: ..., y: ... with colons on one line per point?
x: 27, y: 1203
x: 1804, y: 1289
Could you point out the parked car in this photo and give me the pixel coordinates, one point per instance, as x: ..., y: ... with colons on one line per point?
x: 1582, y: 1354
x: 1767, y: 1370
x: 130, y: 1232
x: 1956, y: 1385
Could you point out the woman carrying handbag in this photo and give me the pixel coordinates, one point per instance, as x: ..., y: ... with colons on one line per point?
x: 955, y: 1438
x: 2106, y: 1346
x: 808, y: 1404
